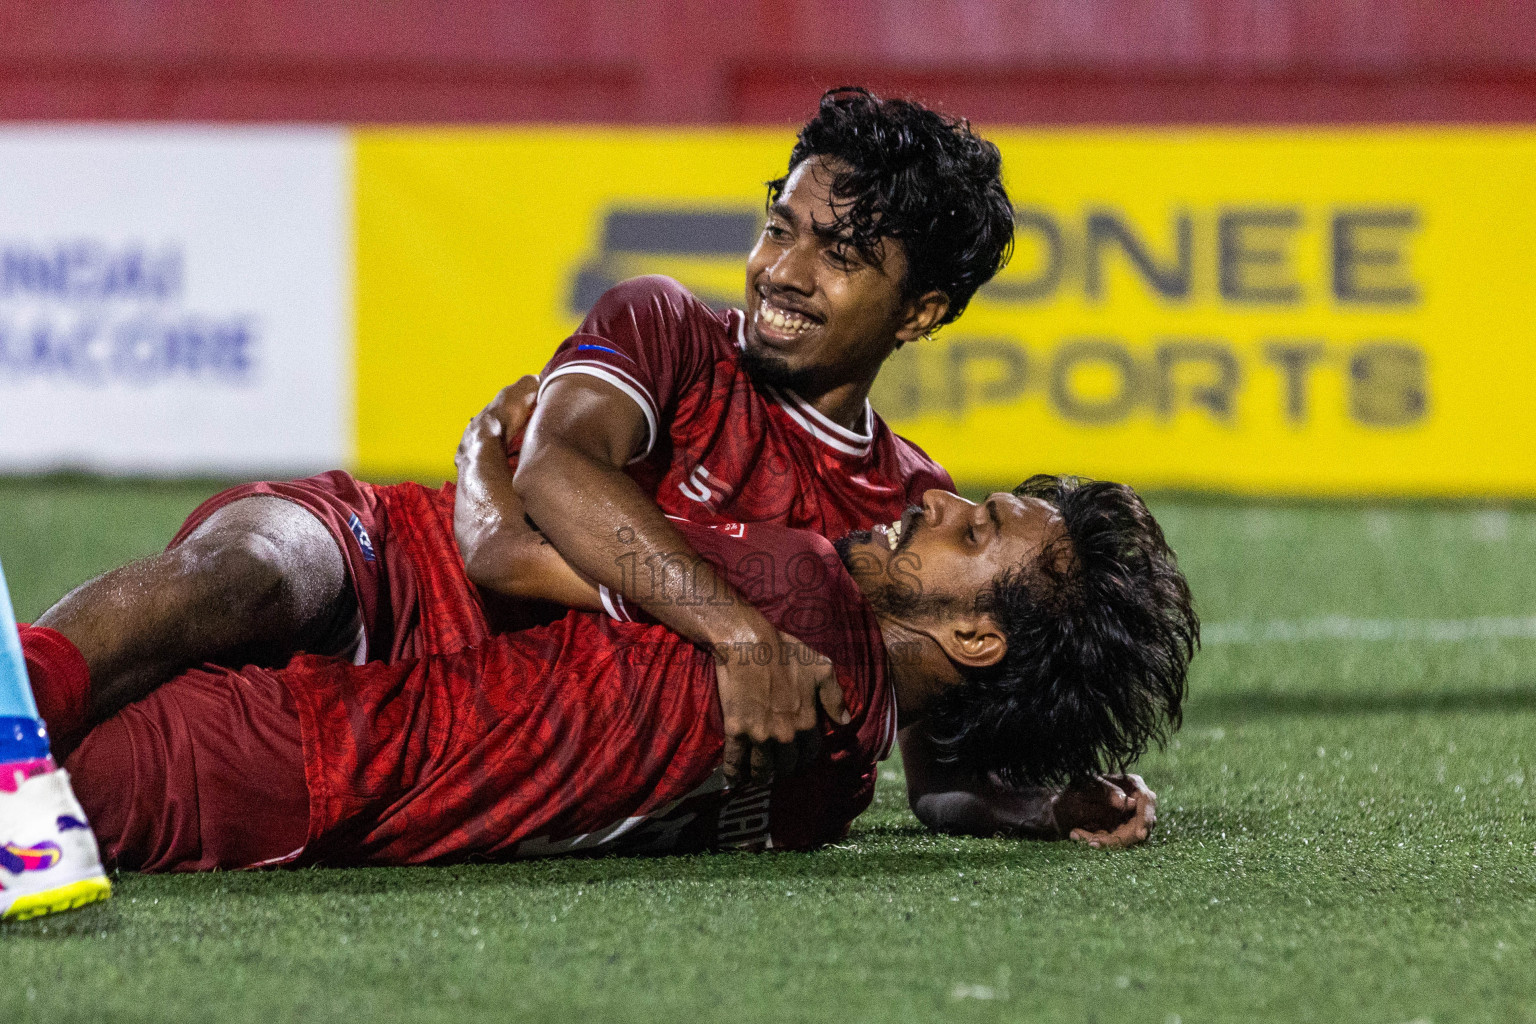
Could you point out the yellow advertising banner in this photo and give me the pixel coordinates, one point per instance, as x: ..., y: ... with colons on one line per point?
x: 1266, y: 312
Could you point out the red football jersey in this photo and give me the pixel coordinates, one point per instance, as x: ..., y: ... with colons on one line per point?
x: 720, y: 449
x: 589, y: 734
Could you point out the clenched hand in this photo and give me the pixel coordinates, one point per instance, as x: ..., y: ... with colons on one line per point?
x: 770, y: 687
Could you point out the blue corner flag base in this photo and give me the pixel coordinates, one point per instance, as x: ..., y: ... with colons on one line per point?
x: 22, y: 735
x: 22, y: 739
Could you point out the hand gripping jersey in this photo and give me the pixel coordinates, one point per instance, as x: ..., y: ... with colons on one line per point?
x: 590, y: 734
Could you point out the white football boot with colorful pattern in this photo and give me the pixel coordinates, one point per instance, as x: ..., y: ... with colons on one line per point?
x: 48, y: 856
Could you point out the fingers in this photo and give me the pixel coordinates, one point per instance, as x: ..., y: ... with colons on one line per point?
x: 1082, y: 835
x: 481, y: 426
x: 488, y: 425
x: 519, y: 394
x: 1116, y: 840
x: 758, y: 764
x: 1097, y: 840
x: 1136, y: 785
x: 779, y: 735
x: 737, y: 760
x: 1134, y: 830
x: 513, y: 404
x: 1145, y: 803
x: 812, y: 681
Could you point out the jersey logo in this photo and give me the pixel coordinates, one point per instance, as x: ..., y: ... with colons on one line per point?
x: 601, y: 348
x: 703, y: 488
x: 737, y: 530
x: 363, y: 540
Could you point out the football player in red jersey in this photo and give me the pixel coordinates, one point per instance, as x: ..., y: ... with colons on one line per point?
x: 889, y: 219
x: 1038, y: 637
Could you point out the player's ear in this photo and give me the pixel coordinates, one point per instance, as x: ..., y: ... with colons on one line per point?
x: 973, y: 641
x: 922, y: 315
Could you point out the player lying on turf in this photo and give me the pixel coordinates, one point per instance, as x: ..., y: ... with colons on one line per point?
x: 888, y: 220
x: 1101, y: 811
x: 1038, y: 636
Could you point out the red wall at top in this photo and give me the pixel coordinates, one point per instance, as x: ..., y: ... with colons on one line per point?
x: 718, y: 61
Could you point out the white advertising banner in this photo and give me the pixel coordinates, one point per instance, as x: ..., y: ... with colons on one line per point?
x: 175, y: 300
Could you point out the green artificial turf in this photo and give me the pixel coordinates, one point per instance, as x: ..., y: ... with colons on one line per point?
x: 1347, y: 834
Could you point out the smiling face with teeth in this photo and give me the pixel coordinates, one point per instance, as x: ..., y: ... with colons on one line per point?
x: 821, y: 318
x: 944, y: 552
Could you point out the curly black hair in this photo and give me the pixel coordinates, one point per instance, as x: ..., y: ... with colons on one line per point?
x: 910, y: 174
x: 1100, y: 630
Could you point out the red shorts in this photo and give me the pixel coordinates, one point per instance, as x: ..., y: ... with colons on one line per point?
x: 402, y: 561
x: 351, y: 511
x: 206, y: 772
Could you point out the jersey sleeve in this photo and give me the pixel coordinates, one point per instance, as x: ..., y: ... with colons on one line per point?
x: 645, y: 337
x: 920, y: 472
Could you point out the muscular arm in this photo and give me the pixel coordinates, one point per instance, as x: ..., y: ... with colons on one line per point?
x: 502, y: 552
x: 1110, y: 811
x: 571, y: 479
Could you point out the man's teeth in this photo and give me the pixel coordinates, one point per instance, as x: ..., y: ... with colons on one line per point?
x: 783, y: 319
x: 893, y: 535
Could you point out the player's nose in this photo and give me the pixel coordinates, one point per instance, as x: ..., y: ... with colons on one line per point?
x: 942, y: 506
x: 791, y: 271
x: 1006, y: 504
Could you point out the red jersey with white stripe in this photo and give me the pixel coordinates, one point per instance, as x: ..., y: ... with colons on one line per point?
x: 589, y: 734
x: 720, y: 447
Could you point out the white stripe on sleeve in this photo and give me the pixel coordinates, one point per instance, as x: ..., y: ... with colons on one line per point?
x: 621, y: 380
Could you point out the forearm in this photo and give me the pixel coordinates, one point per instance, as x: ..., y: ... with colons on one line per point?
x: 616, y: 536
x: 950, y: 801
x: 983, y: 811
x: 571, y: 478
x: 501, y: 552
x: 485, y: 504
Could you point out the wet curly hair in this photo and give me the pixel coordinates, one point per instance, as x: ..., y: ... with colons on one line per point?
x: 1100, y: 629
x: 915, y: 176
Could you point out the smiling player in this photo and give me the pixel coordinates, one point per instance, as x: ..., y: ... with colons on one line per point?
x: 888, y: 221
